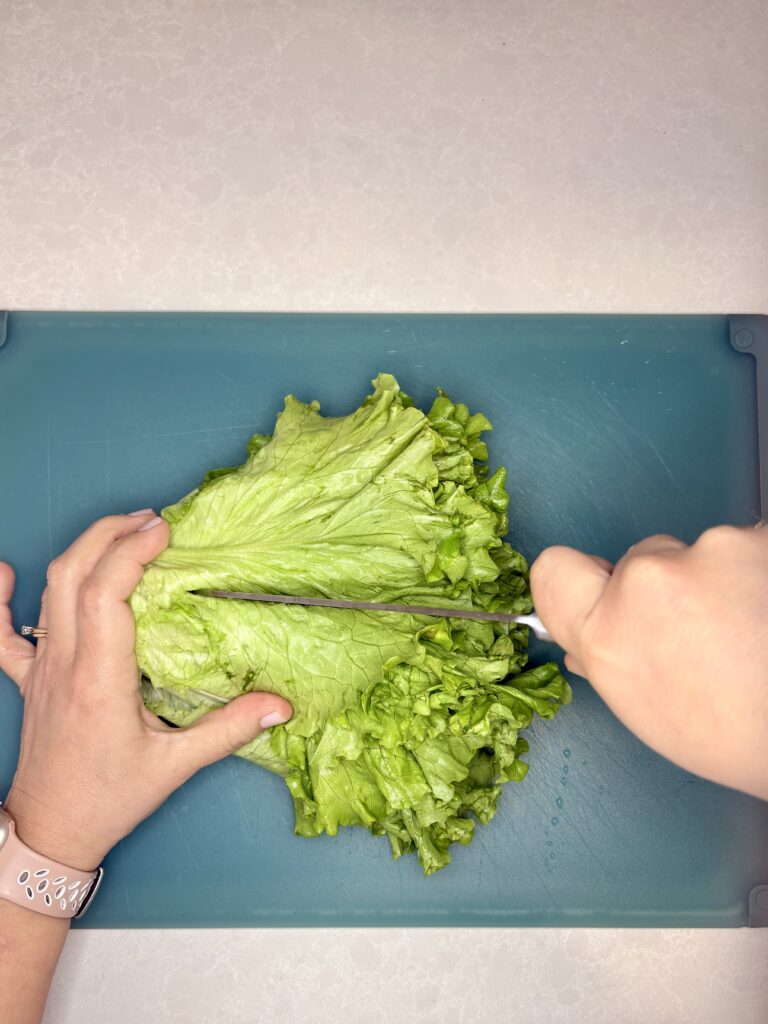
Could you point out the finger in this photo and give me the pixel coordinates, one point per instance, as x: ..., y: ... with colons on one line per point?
x: 105, y: 622
x: 17, y: 655
x: 566, y: 585
x: 68, y: 571
x: 42, y: 618
x: 229, y: 728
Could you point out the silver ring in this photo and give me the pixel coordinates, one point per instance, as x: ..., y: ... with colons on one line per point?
x: 35, y: 631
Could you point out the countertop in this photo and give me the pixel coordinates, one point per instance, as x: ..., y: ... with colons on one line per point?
x: 596, y: 155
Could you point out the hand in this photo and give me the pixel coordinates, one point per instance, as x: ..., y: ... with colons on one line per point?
x: 675, y: 640
x: 94, y: 761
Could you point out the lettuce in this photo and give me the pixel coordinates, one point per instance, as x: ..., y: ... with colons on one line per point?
x: 407, y: 725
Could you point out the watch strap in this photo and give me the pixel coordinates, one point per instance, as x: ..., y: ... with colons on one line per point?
x: 39, y: 883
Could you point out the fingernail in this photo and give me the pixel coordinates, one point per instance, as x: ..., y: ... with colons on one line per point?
x: 141, y: 512
x: 150, y: 524
x: 273, y: 718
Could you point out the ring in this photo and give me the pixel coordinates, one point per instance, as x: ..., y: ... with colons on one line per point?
x: 36, y: 631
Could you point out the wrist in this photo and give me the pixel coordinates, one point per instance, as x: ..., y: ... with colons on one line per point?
x: 49, y: 836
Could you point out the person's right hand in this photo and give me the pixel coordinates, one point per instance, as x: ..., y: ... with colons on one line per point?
x: 675, y: 640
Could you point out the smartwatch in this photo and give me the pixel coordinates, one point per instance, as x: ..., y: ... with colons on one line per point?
x: 39, y: 883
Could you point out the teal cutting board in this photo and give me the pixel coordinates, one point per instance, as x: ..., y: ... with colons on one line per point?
x: 611, y: 428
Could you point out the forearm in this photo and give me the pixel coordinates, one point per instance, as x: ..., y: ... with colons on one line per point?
x: 30, y: 945
x: 31, y: 942
x: 93, y: 761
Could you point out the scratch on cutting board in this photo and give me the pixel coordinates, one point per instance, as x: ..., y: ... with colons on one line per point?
x: 485, y: 852
x: 632, y: 432
x: 154, y: 437
x: 184, y: 839
x: 602, y: 863
x: 239, y: 796
x: 107, y: 480
x: 661, y: 458
x: 646, y: 437
x: 509, y: 820
x: 600, y: 812
x: 631, y: 510
x: 417, y: 343
x: 617, y: 762
x: 234, y: 384
x: 50, y: 499
x: 495, y: 391
x: 670, y: 474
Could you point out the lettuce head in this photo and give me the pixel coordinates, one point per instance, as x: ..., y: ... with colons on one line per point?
x: 407, y: 725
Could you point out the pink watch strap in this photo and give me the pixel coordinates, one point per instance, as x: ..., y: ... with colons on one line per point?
x: 39, y: 883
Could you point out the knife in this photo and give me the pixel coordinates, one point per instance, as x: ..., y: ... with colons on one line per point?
x: 532, y: 621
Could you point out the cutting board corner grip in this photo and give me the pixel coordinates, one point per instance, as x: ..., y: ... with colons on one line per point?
x: 748, y: 334
x: 758, y: 907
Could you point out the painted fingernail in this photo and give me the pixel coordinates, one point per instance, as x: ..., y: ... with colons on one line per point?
x: 141, y: 512
x: 150, y: 524
x: 273, y: 718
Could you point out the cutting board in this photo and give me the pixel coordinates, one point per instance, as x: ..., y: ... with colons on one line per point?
x: 611, y: 428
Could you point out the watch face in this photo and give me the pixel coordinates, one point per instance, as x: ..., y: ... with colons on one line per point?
x: 5, y: 827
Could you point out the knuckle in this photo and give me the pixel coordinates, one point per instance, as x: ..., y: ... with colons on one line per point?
x: 105, y: 529
x: 663, y: 538
x: 108, y: 527
x: 58, y: 570
x: 719, y: 537
x: 232, y: 729
x: 648, y: 571
x: 107, y: 523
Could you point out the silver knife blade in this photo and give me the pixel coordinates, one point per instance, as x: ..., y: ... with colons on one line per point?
x: 532, y: 621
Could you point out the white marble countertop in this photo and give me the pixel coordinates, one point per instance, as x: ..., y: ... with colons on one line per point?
x: 493, y: 155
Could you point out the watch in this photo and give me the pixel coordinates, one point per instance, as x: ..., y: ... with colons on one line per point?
x: 39, y: 883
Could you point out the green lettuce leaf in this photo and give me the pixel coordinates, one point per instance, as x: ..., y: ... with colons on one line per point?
x: 407, y: 725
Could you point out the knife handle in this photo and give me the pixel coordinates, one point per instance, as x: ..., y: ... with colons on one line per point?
x: 534, y: 623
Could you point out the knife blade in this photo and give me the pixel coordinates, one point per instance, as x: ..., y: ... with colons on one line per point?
x: 532, y: 621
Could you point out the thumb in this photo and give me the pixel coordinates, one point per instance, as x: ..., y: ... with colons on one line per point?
x: 566, y: 585
x: 225, y: 730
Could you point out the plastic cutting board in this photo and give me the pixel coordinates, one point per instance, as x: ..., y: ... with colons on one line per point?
x: 611, y: 428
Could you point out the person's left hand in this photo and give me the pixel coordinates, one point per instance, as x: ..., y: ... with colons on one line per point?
x: 94, y: 761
